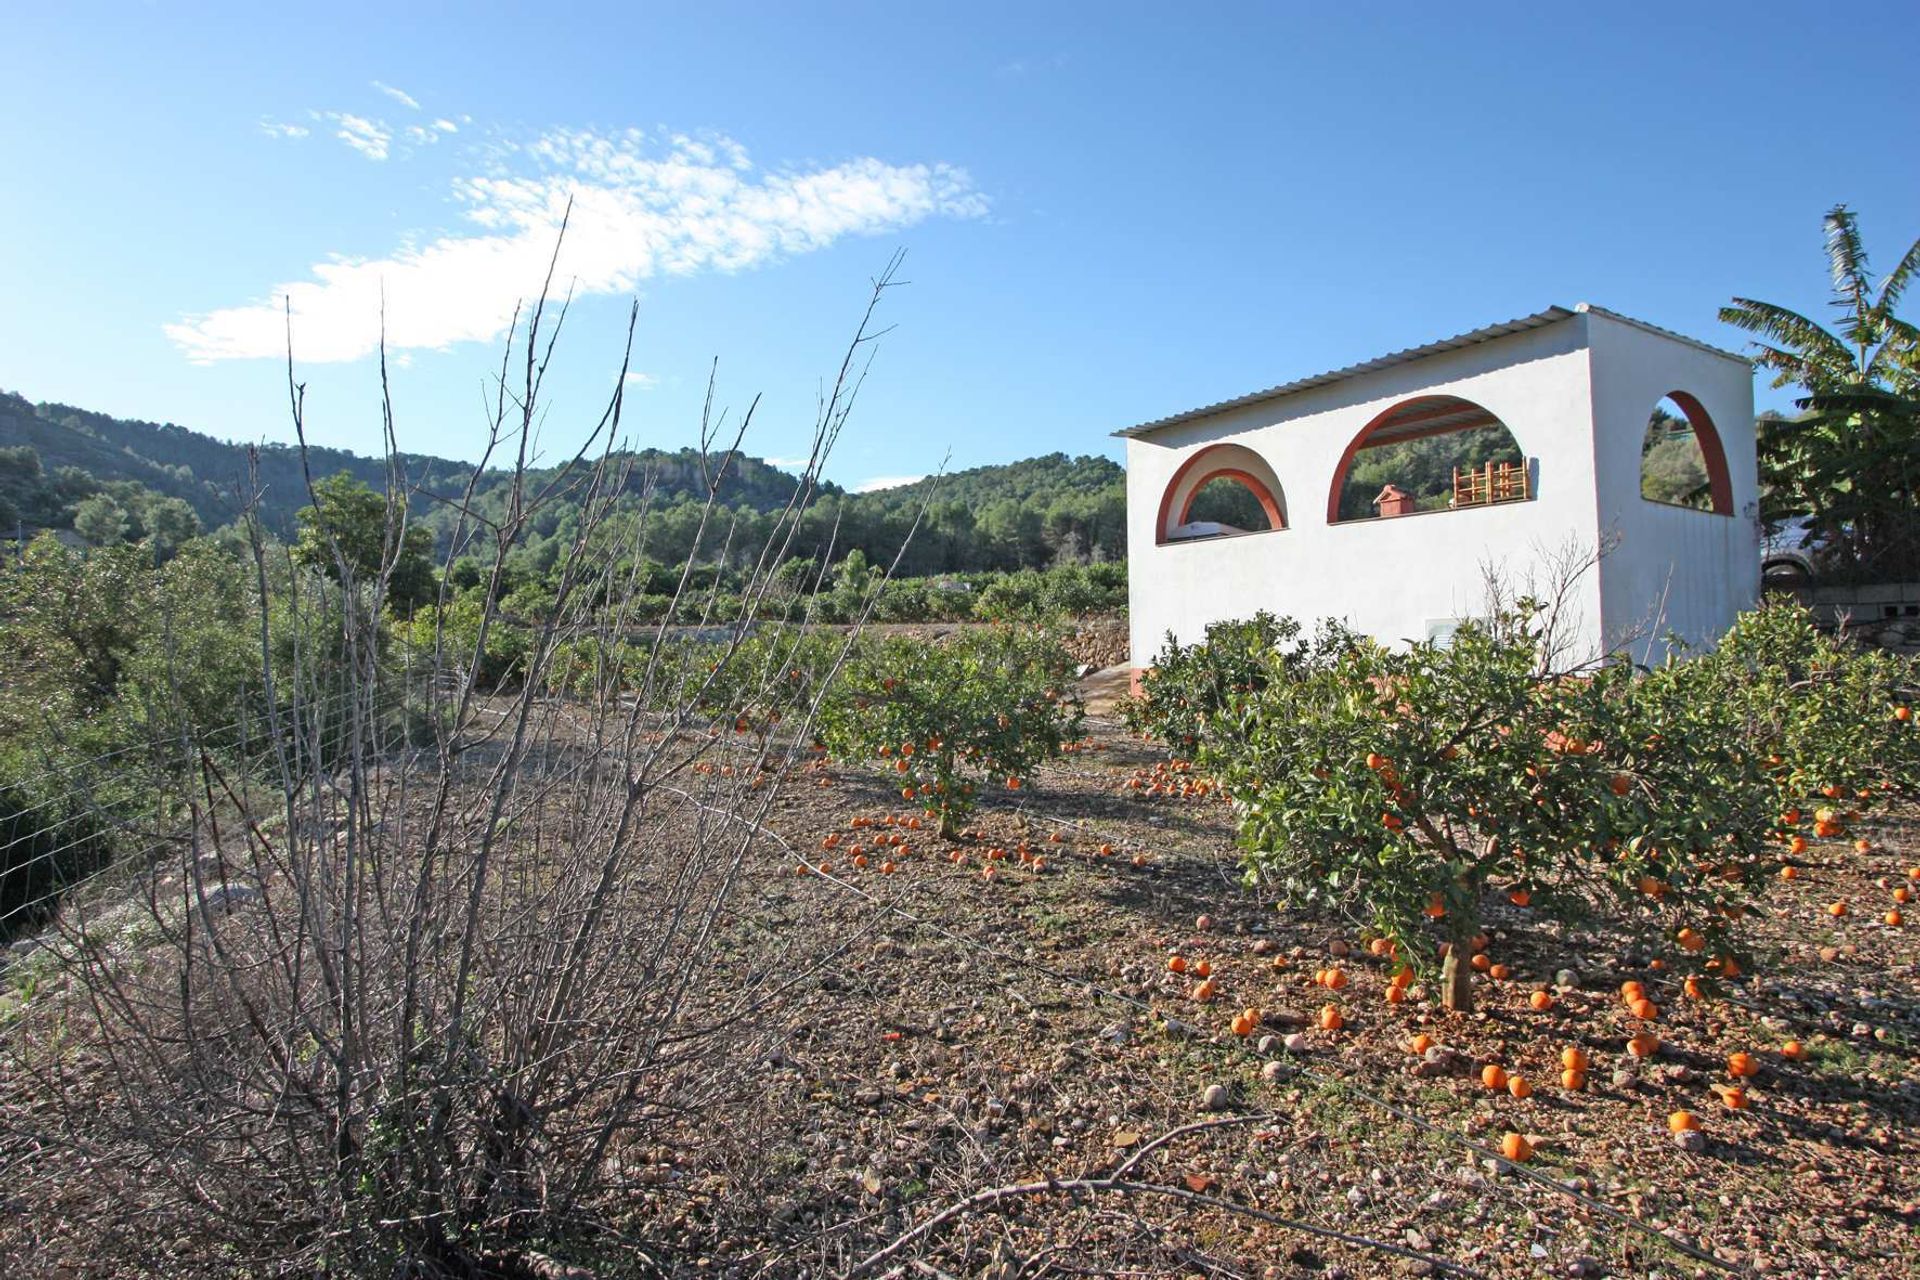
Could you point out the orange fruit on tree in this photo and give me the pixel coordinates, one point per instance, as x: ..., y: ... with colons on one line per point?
x: 1437, y: 907
x: 1516, y: 1148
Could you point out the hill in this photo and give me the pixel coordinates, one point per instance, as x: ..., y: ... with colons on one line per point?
x: 1026, y: 514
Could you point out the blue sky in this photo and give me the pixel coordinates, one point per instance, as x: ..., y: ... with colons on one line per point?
x: 1111, y: 211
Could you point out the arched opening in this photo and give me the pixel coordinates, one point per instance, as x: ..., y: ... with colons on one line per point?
x: 1681, y: 461
x: 1223, y: 490
x: 1431, y: 453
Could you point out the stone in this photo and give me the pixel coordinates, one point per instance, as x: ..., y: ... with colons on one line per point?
x: 1273, y: 1072
x: 1691, y: 1141
x: 1297, y: 1042
x: 226, y: 897
x: 1216, y: 1098
x: 1567, y: 980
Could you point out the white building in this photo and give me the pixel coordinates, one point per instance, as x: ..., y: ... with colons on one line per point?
x: 1574, y: 388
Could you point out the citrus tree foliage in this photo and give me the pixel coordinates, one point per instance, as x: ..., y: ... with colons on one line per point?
x: 1401, y: 786
x: 979, y: 709
x: 1192, y: 690
x: 1831, y: 719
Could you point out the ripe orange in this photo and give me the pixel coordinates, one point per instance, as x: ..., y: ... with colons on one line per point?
x: 1643, y: 1045
x: 1735, y: 1099
x: 1499, y: 973
x: 1206, y: 990
x: 1336, y: 979
x: 1176, y: 964
x: 1740, y: 1063
x: 1837, y: 909
x: 1633, y: 990
x: 1895, y: 919
x: 1519, y: 1087
x: 1482, y: 962
x: 1681, y: 1121
x: 1437, y: 907
x: 1395, y: 995
x: 1520, y: 897
x: 1645, y: 1010
x: 1573, y: 1080
x: 1420, y: 1044
x: 1330, y: 1019
x: 1243, y: 1025
x: 1574, y: 1058
x: 1202, y: 969
x: 1493, y: 1076
x: 1540, y: 1001
x: 1516, y: 1148
x: 1793, y: 1051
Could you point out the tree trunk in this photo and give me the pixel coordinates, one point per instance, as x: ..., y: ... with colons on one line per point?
x: 949, y: 830
x: 1456, y: 980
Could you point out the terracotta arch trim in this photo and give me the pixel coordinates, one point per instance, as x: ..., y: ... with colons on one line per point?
x: 1201, y: 462
x: 1361, y: 438
x: 1712, y: 453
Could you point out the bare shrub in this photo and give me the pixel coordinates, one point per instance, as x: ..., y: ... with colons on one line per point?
x: 421, y: 992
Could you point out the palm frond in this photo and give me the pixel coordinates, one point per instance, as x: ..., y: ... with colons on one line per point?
x: 1847, y: 257
x: 1896, y: 282
x: 1784, y: 327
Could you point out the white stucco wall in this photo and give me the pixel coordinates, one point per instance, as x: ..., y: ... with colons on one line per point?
x: 1396, y: 578
x: 1674, y: 570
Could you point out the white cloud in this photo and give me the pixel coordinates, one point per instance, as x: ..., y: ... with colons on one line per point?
x: 640, y: 210
x: 276, y: 129
x: 371, y: 138
x: 400, y: 96
x: 886, y: 482
x: 642, y: 381
x: 787, y: 464
x: 446, y: 126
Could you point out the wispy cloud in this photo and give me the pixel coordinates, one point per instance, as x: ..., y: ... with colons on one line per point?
x: 642, y: 207
x: 371, y: 138
x: 400, y: 96
x: 787, y: 464
x: 878, y: 483
x: 279, y: 129
x: 642, y: 381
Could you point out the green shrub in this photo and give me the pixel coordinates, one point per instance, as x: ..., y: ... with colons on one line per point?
x: 982, y: 708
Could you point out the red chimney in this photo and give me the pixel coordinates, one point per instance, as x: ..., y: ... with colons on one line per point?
x: 1393, y: 502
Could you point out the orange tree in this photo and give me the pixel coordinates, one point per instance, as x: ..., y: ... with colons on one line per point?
x: 1833, y: 720
x: 1192, y: 688
x: 980, y: 708
x: 1403, y: 786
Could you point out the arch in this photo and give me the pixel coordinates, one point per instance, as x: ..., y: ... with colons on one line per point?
x: 1713, y: 456
x: 1417, y: 419
x: 1218, y: 462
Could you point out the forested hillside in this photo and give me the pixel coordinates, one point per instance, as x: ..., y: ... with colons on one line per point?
x: 1031, y: 514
